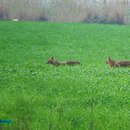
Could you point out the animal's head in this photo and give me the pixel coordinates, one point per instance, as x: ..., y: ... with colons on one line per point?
x: 51, y: 60
x: 110, y: 61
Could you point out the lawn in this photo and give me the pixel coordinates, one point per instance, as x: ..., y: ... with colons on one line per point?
x: 38, y: 96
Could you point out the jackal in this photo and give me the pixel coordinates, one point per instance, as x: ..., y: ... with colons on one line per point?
x: 112, y: 63
x: 53, y: 61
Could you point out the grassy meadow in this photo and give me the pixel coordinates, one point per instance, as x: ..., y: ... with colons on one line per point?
x: 38, y: 96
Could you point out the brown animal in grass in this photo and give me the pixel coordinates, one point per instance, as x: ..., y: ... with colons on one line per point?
x: 53, y: 61
x: 112, y: 63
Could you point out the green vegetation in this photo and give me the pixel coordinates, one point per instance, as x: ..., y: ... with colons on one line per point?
x: 91, y: 96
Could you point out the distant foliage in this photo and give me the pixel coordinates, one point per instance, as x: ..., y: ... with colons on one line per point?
x: 89, y: 11
x: 22, y: 10
x: 112, y: 12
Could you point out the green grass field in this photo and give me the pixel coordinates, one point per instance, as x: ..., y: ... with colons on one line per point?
x: 38, y: 96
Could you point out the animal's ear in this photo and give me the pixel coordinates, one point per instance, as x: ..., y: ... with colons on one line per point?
x: 52, y: 57
x: 109, y: 57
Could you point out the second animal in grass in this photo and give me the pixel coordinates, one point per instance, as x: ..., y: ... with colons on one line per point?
x: 53, y: 61
x: 112, y: 63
